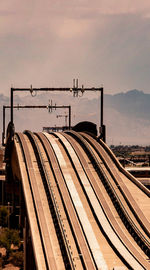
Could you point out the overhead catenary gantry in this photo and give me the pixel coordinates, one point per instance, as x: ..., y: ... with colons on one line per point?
x: 50, y: 107
x: 75, y: 90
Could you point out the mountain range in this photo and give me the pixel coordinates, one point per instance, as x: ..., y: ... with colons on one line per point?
x: 126, y: 115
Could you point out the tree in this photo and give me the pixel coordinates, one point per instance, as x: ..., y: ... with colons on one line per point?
x: 7, y: 238
x: 3, y: 216
x: 17, y: 258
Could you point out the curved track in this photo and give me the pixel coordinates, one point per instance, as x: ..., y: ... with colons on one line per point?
x: 83, y: 209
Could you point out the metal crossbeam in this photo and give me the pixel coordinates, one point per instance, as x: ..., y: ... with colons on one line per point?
x: 75, y: 90
x: 34, y: 107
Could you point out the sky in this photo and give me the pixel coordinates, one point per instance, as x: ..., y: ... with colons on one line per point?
x: 47, y: 43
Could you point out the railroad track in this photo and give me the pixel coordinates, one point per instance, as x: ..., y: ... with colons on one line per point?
x: 124, y: 192
x: 107, y: 210
x: 77, y: 200
x: 49, y: 255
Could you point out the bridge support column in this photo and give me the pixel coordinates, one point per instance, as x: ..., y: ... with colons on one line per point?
x: 29, y: 261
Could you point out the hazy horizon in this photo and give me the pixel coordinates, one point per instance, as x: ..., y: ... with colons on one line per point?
x: 126, y: 114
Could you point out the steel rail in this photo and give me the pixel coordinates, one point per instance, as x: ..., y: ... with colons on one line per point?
x: 68, y: 173
x: 145, y: 245
x: 67, y: 253
x: 59, y: 209
x: 76, y: 228
x: 112, y: 221
x: 38, y: 232
x: 122, y: 187
x: 53, y: 259
x: 126, y: 173
x: 69, y: 142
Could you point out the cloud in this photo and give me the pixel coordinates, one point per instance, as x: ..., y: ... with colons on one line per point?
x: 51, y: 42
